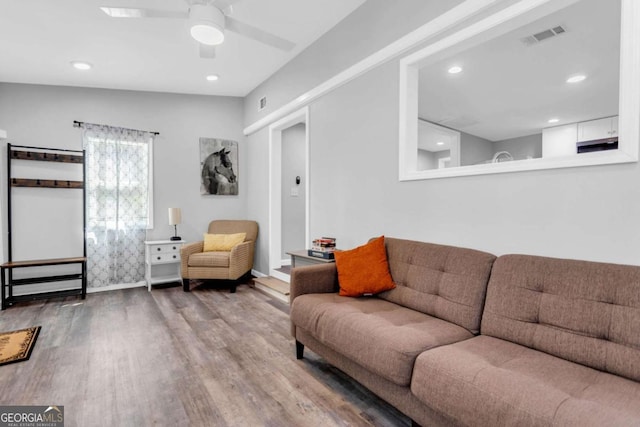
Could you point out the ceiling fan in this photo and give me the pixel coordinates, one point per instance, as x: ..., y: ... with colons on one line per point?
x: 208, y: 21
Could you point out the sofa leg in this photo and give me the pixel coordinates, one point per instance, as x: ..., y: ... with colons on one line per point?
x: 299, y: 350
x: 185, y: 285
x: 233, y: 288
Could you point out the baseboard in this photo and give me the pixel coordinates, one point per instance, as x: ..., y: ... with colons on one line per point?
x: 285, y: 262
x: 281, y: 276
x: 256, y: 273
x: 116, y: 287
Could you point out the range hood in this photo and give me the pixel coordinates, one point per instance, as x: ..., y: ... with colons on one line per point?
x: 597, y: 145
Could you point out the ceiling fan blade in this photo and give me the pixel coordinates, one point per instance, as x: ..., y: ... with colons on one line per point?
x: 258, y: 34
x: 123, y: 12
x: 225, y: 5
x: 207, y: 51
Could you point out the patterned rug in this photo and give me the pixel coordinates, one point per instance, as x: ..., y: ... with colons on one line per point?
x: 16, y: 346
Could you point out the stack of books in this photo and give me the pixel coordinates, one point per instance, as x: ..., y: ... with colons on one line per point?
x: 323, y: 247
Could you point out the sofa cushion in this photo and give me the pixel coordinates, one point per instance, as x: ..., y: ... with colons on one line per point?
x: 487, y: 381
x: 443, y: 281
x: 209, y: 259
x: 586, y: 312
x: 364, y: 270
x: 381, y: 336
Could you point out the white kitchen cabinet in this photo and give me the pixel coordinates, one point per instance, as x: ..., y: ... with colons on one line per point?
x: 560, y: 140
x: 598, y: 129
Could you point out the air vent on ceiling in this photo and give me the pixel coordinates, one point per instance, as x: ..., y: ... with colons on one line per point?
x: 544, y: 35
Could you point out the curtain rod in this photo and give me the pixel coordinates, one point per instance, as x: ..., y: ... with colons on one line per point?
x: 77, y: 124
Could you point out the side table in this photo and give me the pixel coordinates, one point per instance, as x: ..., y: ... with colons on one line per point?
x: 302, y: 257
x: 162, y: 261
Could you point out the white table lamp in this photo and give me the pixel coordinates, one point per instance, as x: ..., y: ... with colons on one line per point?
x: 175, y: 218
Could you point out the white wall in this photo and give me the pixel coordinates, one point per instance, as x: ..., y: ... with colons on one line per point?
x: 524, y: 147
x: 293, y: 207
x: 369, y: 28
x: 586, y: 213
x: 43, y: 116
x: 258, y: 188
x: 474, y: 150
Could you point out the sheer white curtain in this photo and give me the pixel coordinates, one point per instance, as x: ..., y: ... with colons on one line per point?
x: 119, y: 190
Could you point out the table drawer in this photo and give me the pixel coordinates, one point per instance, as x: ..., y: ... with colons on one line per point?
x: 160, y: 258
x: 165, y: 248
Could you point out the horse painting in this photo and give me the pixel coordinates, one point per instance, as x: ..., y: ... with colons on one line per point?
x: 218, y: 176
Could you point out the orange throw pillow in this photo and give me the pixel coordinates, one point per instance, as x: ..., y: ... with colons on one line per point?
x: 364, y: 270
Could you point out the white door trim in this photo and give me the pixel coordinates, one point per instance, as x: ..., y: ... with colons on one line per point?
x: 275, y: 184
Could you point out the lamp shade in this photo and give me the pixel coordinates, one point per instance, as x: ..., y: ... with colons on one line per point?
x: 175, y: 216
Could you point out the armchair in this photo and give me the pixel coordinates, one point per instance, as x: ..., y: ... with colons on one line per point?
x: 231, y: 266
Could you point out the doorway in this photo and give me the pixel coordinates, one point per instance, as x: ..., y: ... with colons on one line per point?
x: 288, y: 196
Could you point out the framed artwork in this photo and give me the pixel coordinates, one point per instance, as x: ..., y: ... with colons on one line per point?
x: 218, y: 163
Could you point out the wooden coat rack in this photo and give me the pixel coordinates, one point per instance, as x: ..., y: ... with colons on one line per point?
x: 8, y: 282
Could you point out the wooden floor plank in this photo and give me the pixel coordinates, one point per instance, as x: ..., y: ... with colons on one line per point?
x: 167, y: 358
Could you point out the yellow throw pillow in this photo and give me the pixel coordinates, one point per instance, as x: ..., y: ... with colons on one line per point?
x: 222, y: 242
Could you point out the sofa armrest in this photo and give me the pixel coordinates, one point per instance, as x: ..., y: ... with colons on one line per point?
x: 185, y: 252
x: 313, y: 279
x: 240, y: 259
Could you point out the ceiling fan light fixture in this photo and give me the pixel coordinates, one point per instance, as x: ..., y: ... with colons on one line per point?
x: 207, y: 34
x: 207, y: 24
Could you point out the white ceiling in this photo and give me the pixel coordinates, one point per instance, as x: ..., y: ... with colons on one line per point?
x: 508, y: 89
x: 39, y: 39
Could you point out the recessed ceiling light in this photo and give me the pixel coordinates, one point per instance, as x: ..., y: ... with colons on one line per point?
x: 81, y: 65
x: 577, y: 78
x: 553, y: 120
x: 455, y: 69
x: 439, y: 143
x: 212, y: 77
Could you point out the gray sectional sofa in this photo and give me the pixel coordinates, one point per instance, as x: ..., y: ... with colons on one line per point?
x: 466, y: 338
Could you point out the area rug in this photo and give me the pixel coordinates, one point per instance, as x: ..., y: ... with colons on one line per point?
x: 16, y: 346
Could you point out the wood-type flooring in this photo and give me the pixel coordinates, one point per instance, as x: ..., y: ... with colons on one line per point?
x: 170, y: 358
